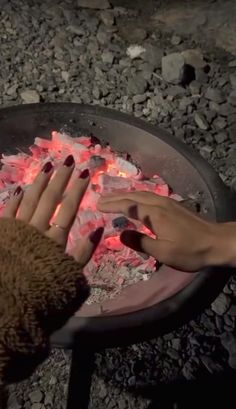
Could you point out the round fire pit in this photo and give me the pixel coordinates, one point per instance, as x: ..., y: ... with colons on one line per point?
x: 170, y: 297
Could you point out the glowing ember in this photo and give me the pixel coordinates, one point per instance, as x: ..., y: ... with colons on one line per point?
x: 113, y: 265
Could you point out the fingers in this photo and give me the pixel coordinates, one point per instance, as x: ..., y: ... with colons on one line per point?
x: 147, y: 198
x: 14, y: 203
x: 69, y: 208
x: 129, y: 208
x: 33, y: 194
x: 86, y: 247
x: 140, y: 242
x: 52, y: 195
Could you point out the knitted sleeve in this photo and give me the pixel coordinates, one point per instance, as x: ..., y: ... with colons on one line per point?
x: 40, y: 288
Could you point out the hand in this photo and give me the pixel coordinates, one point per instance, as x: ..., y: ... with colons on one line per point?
x: 38, y: 204
x: 183, y: 240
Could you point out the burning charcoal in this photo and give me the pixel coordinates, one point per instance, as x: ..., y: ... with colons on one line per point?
x: 120, y: 222
x: 126, y: 169
x: 97, y: 162
x: 114, y: 183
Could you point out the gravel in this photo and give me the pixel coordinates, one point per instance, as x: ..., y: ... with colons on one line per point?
x: 76, y: 51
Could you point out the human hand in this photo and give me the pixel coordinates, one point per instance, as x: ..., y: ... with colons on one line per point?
x: 183, y: 240
x: 38, y: 204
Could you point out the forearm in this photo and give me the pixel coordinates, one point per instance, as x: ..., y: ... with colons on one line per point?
x: 222, y: 245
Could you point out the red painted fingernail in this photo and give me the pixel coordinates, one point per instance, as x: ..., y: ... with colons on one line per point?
x: 69, y: 161
x: 96, y: 236
x: 18, y: 191
x: 47, y: 167
x: 84, y: 174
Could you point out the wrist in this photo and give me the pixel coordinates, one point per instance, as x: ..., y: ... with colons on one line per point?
x: 222, y: 245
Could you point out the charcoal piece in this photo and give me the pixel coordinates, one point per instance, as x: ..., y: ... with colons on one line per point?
x: 96, y: 161
x: 120, y: 222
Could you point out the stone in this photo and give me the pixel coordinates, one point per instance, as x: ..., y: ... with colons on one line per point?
x: 201, y: 121
x: 232, y: 98
x: 214, y: 94
x: 37, y: 406
x: 74, y: 29
x: 139, y: 99
x: 30, y: 96
x: 65, y: 75
x: 94, y: 4
x: 107, y: 57
x: 107, y: 17
x: 232, y: 64
x: 228, y: 341
x: 232, y: 132
x: 135, y: 51
x: 193, y: 58
x: 190, y: 369
x: 152, y: 55
x: 195, y: 87
x: 232, y: 310
x: 175, y: 91
x: 134, y: 35
x: 176, y: 343
x: 232, y: 78
x: 173, y: 353
x: 226, y: 109
x: 49, y: 399
x: 12, y: 402
x: 36, y: 396
x: 136, y: 85
x: 175, y: 40
x: 221, y: 137
x: 172, y: 67
x: 212, y: 366
x: 12, y: 90
x: 220, y: 123
x: 221, y: 305
x: 201, y: 76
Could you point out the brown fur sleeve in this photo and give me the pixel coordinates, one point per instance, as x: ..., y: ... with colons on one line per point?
x: 40, y: 288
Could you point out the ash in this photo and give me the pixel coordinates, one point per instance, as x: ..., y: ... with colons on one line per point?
x: 113, y: 266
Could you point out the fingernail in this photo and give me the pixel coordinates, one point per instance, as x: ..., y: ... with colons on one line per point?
x: 84, y: 174
x: 47, y: 167
x: 17, y: 191
x: 69, y: 161
x: 96, y: 236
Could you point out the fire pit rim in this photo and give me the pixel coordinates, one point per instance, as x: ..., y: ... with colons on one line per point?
x: 136, y: 326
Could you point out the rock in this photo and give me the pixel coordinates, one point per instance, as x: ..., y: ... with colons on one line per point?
x: 152, y: 55
x: 173, y: 353
x: 133, y: 35
x: 176, y: 343
x: 135, y: 51
x: 172, y: 67
x: 226, y: 109
x: 232, y: 64
x: 139, y: 99
x: 220, y: 123
x: 30, y: 96
x: 37, y: 406
x: 232, y: 98
x: 13, y: 403
x: 232, y: 78
x: 107, y: 57
x: 201, y: 76
x: 228, y: 341
x: 195, y: 87
x: 36, y: 396
x: 232, y: 310
x: 74, y: 29
x: 220, y: 137
x: 136, y: 85
x: 201, y: 121
x: 190, y: 368
x: 12, y: 90
x: 214, y: 94
x: 107, y: 17
x: 221, y: 304
x: 212, y: 366
x: 94, y: 4
x: 232, y: 132
x: 175, y: 91
x: 49, y: 399
x: 193, y: 58
x: 175, y: 40
x: 206, y: 151
x: 65, y: 75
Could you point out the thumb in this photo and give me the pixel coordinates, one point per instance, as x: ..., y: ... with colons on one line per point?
x: 140, y: 242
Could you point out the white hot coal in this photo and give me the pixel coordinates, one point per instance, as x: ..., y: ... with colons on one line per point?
x: 113, y: 266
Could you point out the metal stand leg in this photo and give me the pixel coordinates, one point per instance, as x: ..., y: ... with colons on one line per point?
x: 81, y: 371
